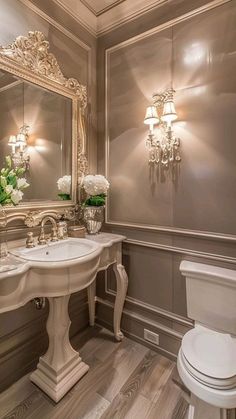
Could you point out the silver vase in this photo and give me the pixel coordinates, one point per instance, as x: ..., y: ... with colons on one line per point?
x: 93, y: 217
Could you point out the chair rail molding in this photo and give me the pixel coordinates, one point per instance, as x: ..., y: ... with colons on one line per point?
x: 182, y: 251
x: 172, y: 230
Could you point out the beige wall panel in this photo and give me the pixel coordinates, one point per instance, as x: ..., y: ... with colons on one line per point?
x: 153, y: 285
x: 202, y: 197
x: 204, y: 77
x: 135, y: 189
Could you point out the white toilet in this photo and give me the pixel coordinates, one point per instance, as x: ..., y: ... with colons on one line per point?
x: 207, y: 357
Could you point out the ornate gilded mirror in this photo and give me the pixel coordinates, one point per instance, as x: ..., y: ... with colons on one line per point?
x: 42, y: 124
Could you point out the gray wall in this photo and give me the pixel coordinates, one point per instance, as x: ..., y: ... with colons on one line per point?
x: 167, y: 219
x: 22, y: 332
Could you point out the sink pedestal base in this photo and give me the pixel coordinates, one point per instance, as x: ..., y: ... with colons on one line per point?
x: 61, y: 367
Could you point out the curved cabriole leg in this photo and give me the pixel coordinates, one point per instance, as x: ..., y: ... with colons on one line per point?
x: 61, y: 367
x: 91, y: 291
x: 122, y: 285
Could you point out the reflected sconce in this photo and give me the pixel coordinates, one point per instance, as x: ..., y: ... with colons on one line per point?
x: 163, y: 145
x: 18, y: 143
x: 12, y: 143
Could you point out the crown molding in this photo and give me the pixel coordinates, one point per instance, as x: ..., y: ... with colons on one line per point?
x: 97, y: 25
x: 125, y: 12
x: 78, y: 11
x: 106, y: 20
x: 103, y: 10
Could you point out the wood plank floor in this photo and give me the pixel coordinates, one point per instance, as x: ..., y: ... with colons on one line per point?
x: 126, y: 380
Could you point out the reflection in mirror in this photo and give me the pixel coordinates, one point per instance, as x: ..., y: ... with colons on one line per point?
x: 45, y: 120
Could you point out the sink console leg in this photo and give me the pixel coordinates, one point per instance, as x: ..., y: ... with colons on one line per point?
x: 122, y: 285
x: 91, y: 291
x: 61, y: 367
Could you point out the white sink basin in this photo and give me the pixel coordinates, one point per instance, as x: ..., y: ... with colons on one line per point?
x: 65, y: 250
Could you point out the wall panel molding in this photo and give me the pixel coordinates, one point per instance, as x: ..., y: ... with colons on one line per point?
x: 182, y: 251
x: 148, y: 308
x: 159, y: 228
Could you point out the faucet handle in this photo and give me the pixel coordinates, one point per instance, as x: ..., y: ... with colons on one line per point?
x: 42, y: 238
x: 54, y: 237
x: 62, y: 230
x: 30, y: 240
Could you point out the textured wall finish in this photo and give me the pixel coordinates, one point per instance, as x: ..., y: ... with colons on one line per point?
x: 202, y: 196
x: 166, y: 220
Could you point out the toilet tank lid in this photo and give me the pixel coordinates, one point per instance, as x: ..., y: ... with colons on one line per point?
x: 208, y: 272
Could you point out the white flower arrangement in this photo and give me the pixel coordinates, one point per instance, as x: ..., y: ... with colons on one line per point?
x: 11, y: 184
x: 96, y: 187
x: 64, y: 186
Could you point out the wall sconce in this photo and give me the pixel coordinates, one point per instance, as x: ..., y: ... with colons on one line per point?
x: 18, y: 143
x: 164, y: 147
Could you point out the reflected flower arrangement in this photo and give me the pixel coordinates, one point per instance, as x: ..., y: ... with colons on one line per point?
x: 12, y: 184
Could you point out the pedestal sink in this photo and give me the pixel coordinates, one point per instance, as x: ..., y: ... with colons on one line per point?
x: 54, y: 271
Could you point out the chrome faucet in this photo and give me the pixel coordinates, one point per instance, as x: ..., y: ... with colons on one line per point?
x: 54, y: 237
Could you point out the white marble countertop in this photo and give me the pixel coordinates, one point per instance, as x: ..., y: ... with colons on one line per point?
x: 106, y: 239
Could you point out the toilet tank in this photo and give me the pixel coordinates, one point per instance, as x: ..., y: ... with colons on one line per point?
x: 211, y: 295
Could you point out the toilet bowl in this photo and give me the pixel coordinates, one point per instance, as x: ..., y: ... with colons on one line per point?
x: 207, y: 358
x: 207, y: 366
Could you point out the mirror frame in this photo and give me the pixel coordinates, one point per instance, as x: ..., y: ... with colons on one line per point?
x: 29, y: 58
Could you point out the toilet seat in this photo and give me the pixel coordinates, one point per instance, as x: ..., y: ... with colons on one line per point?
x: 210, y: 357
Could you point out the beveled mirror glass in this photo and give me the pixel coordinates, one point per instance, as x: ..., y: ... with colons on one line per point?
x: 49, y: 145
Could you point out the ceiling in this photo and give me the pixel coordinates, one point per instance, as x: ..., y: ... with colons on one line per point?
x: 98, y: 7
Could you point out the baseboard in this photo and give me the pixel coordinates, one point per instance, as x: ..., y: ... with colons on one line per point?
x: 133, y: 326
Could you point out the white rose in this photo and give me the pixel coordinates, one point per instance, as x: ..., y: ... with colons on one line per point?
x: 9, y: 189
x: 22, y: 183
x: 64, y: 184
x: 16, y: 196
